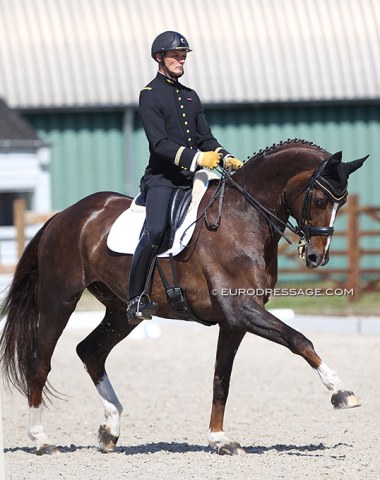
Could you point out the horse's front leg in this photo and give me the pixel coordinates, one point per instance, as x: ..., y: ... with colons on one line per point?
x: 342, y: 396
x: 260, y: 322
x: 228, y: 345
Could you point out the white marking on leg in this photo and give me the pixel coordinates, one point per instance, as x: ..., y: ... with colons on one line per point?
x: 332, y: 220
x: 223, y: 444
x: 217, y: 439
x: 35, y: 428
x: 330, y: 378
x: 112, y: 407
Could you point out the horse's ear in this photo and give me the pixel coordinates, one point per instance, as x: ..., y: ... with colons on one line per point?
x: 334, y: 160
x: 350, y: 167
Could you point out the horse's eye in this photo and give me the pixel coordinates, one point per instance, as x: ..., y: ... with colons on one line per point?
x: 320, y: 202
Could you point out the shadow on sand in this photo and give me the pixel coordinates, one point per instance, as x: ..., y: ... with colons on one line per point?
x: 175, y: 447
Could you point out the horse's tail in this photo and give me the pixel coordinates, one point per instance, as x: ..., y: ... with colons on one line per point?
x: 20, y: 306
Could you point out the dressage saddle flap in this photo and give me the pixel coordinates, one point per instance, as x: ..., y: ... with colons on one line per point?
x: 179, y: 205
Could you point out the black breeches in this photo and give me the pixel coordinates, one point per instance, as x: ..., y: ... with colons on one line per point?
x: 157, y: 212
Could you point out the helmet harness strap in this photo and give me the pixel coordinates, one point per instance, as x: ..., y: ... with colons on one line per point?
x: 162, y: 63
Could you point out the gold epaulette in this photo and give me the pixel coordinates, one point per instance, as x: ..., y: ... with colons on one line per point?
x: 146, y: 88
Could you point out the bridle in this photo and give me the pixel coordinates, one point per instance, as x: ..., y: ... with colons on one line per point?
x: 303, y: 229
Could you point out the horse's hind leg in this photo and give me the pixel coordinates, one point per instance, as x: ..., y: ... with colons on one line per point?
x: 52, y: 320
x: 93, y: 351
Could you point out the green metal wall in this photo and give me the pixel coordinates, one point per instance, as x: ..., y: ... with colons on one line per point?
x: 87, y: 153
x: 353, y: 129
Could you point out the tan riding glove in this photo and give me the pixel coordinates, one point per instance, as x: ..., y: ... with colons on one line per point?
x: 232, y: 162
x: 209, y: 159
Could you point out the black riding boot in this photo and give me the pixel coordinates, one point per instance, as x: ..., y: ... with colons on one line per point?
x: 140, y: 307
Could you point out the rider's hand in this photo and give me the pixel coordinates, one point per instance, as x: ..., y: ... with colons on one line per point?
x: 232, y: 162
x: 209, y: 159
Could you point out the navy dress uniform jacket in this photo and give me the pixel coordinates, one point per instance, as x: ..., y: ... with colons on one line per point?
x: 176, y: 128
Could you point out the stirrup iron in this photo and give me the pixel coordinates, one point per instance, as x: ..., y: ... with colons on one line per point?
x: 144, y: 309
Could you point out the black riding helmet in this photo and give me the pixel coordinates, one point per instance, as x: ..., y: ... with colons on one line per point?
x: 169, y: 41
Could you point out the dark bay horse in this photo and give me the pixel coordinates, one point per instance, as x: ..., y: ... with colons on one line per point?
x: 69, y: 254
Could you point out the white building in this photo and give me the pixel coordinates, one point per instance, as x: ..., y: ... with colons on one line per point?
x: 24, y: 173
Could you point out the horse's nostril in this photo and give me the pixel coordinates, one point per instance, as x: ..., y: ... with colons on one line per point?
x: 312, y: 258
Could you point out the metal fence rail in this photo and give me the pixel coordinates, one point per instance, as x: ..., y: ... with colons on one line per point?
x: 352, y: 276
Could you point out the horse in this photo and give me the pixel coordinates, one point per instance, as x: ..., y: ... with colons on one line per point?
x: 69, y: 254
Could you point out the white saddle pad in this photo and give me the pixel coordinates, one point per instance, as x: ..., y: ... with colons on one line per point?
x: 125, y: 232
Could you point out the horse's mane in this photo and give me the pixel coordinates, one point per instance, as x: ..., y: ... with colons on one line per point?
x: 275, y: 146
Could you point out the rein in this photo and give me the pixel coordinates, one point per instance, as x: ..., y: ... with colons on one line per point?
x: 219, y: 192
x: 267, y: 214
x: 303, y: 229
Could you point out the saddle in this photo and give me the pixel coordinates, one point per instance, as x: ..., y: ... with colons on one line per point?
x: 176, y: 295
x: 179, y: 206
x: 125, y: 232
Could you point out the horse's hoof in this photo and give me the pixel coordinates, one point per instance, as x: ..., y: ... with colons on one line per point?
x: 232, y: 448
x: 107, y: 442
x: 345, y: 399
x: 47, y: 450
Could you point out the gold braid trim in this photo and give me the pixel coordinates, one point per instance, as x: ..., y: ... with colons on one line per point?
x: 178, y: 155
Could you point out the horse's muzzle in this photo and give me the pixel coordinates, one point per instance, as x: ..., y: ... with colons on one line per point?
x: 313, y: 258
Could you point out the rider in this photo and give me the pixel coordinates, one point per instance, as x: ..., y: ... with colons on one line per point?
x: 180, y: 142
